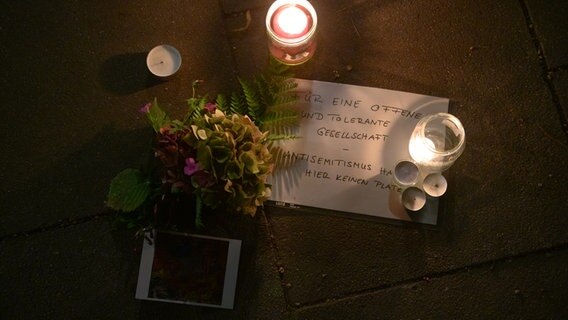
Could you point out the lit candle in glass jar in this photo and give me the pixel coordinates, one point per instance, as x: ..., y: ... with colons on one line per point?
x: 437, y: 141
x: 291, y: 27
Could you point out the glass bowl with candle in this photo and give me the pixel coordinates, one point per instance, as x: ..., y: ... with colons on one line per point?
x: 291, y: 28
x: 437, y: 141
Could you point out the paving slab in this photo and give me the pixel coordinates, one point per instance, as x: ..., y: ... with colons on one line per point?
x: 75, y: 75
x: 551, y: 29
x: 240, y: 7
x: 506, y: 192
x: 531, y: 287
x: 90, y: 270
x: 560, y: 82
x: 65, y: 273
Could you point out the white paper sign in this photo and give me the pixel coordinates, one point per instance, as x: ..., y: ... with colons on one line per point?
x: 351, y: 138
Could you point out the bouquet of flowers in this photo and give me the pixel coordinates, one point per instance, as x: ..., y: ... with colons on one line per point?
x: 219, y: 153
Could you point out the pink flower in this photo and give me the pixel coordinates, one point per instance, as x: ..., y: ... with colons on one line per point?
x: 145, y: 108
x: 190, y: 166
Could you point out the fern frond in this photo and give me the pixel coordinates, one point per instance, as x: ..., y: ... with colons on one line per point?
x: 195, y: 108
x: 282, y: 160
x: 263, y: 86
x: 255, y: 108
x: 284, y: 131
x: 286, y: 85
x: 222, y: 103
x: 277, y: 137
x: 284, y: 100
x: 277, y: 68
x: 238, y: 103
x: 282, y: 91
x: 277, y: 122
x: 268, y: 100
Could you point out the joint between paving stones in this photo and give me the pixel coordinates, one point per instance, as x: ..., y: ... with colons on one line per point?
x: 277, y: 260
x: 413, y: 282
x: 546, y: 71
x: 228, y: 37
x: 61, y: 224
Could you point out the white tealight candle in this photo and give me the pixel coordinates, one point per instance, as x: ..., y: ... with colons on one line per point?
x: 406, y: 173
x: 163, y: 61
x: 435, y: 185
x: 413, y: 199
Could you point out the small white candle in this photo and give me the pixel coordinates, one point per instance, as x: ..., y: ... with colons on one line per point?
x: 406, y: 172
x: 413, y: 199
x: 435, y: 185
x: 163, y: 61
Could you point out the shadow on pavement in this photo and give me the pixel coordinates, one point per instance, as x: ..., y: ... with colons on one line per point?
x: 127, y: 73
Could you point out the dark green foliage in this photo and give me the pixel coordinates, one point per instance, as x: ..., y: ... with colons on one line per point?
x: 255, y: 106
x: 276, y: 68
x: 157, y: 116
x: 238, y: 103
x: 222, y: 103
x: 281, y: 123
x: 128, y: 190
x: 195, y: 107
x: 266, y: 97
x: 268, y: 100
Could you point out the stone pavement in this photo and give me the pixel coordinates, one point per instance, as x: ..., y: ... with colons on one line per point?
x: 74, y: 77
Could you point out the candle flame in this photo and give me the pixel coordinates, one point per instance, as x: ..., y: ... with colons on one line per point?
x: 421, y: 150
x: 292, y: 20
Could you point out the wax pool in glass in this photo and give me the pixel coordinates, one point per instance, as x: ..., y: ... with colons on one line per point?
x: 437, y: 141
x: 291, y: 27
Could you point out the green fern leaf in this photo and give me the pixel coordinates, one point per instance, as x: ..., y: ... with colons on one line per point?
x: 263, y: 86
x: 277, y: 122
x: 195, y: 108
x: 255, y: 108
x: 222, y: 103
x: 238, y: 103
x: 277, y: 68
x: 278, y: 137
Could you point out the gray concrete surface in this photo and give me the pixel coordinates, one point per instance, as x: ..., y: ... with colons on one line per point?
x: 74, y: 77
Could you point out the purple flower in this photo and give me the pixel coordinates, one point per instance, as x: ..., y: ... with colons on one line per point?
x: 145, y: 108
x: 210, y: 107
x: 190, y: 166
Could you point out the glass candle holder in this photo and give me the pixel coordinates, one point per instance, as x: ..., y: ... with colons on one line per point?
x: 437, y: 141
x: 291, y: 27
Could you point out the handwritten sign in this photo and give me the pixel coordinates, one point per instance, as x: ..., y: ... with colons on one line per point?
x: 351, y: 139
